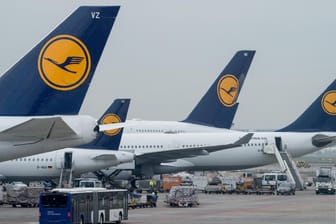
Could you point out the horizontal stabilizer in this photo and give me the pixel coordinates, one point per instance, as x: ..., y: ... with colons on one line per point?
x: 110, y: 139
x: 243, y: 140
x: 320, y: 140
x: 38, y: 129
x: 108, y: 127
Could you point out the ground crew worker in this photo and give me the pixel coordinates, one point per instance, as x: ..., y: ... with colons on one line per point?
x: 151, y: 185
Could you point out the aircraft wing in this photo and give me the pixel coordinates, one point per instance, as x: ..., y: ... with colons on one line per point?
x: 173, y: 154
x: 37, y: 129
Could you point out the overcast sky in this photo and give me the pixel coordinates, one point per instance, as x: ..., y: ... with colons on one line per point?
x: 164, y: 55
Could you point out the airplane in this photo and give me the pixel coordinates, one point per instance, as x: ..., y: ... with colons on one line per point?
x: 215, y: 110
x: 41, y: 94
x: 314, y: 130
x: 98, y: 154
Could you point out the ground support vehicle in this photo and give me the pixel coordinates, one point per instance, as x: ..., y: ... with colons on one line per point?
x: 26, y: 197
x: 261, y: 191
x: 148, y: 186
x: 255, y: 187
x: 19, y: 194
x: 168, y: 181
x: 87, y: 182
x: 139, y: 200
x: 182, y: 196
x: 229, y: 188
x: 273, y: 179
x: 326, y: 180
x: 286, y: 188
x: 214, y: 189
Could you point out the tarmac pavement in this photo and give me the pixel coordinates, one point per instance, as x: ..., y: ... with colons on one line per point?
x: 303, y: 208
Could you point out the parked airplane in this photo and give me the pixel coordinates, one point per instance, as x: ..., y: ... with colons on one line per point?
x: 42, y: 94
x: 217, y: 107
x: 98, y: 154
x: 312, y: 131
x: 315, y: 129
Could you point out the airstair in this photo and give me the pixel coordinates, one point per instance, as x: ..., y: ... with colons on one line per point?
x: 285, y: 161
x: 66, y: 171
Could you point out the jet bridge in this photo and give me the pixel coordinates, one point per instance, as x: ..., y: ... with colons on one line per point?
x: 285, y: 161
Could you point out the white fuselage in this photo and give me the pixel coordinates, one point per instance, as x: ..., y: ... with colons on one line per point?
x: 83, y: 126
x: 247, y: 156
x: 141, y: 144
x: 46, y: 166
x: 146, y: 127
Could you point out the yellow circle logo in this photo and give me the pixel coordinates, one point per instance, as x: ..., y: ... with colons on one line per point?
x: 64, y: 63
x: 329, y: 102
x: 227, y: 90
x: 110, y: 119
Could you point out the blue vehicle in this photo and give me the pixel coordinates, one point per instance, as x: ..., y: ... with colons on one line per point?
x: 83, y: 205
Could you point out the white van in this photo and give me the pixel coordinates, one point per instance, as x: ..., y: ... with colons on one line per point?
x: 272, y: 179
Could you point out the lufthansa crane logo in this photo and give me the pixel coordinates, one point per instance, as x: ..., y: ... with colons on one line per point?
x: 227, y: 90
x: 329, y: 102
x: 64, y: 63
x: 110, y: 119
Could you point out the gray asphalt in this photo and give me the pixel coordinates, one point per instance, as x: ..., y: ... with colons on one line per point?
x: 305, y: 207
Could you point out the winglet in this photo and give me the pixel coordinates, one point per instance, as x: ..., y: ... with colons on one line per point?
x: 218, y: 106
x: 53, y: 78
x: 244, y: 140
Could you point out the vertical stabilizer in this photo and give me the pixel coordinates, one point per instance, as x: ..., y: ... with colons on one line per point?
x: 320, y: 115
x: 218, y: 106
x: 54, y: 76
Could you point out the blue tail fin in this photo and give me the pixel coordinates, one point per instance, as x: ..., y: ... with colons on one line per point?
x: 117, y: 112
x: 218, y: 106
x: 54, y: 76
x: 320, y: 115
